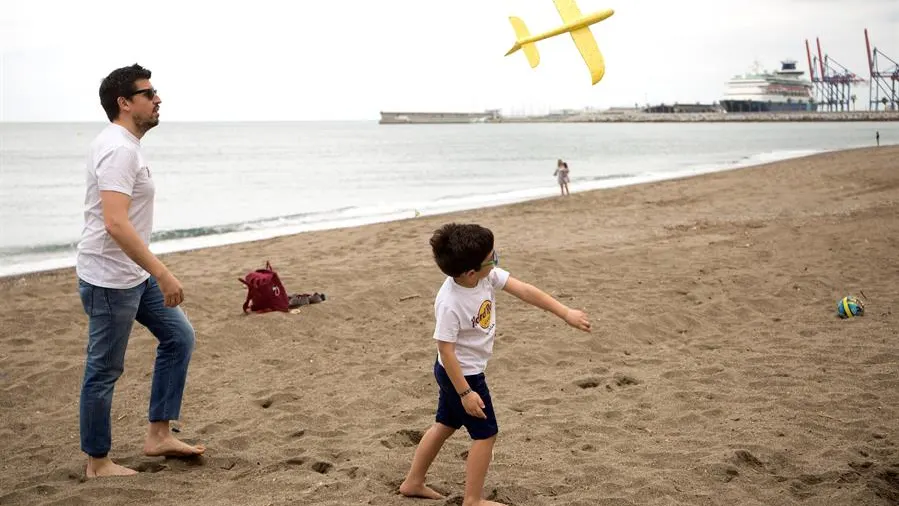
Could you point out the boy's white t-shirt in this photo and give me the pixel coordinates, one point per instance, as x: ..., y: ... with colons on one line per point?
x: 115, y: 164
x: 467, y: 317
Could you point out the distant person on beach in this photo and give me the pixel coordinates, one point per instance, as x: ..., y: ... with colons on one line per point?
x: 120, y: 281
x: 465, y: 328
x: 877, y: 136
x: 561, y: 174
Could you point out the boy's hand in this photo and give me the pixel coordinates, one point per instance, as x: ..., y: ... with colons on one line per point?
x: 473, y: 405
x: 577, y: 319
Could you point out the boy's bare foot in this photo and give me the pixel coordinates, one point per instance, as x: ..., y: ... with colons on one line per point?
x: 419, y: 490
x: 97, y: 468
x: 170, y: 447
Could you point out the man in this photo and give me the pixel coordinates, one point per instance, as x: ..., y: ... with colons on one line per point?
x: 120, y: 281
x: 878, y: 137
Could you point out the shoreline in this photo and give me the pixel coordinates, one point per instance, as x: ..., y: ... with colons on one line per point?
x: 219, y: 240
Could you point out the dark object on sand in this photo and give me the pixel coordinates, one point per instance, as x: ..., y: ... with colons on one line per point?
x: 302, y: 299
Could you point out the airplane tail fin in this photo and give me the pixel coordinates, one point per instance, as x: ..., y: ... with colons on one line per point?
x: 521, y: 33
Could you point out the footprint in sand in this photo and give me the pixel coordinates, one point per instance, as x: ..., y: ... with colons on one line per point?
x: 322, y: 467
x: 800, y: 490
x: 267, y: 401
x: 228, y: 464
x: 185, y: 462
x: 403, y: 438
x: 724, y: 472
x: 588, y: 383
x: 62, y: 365
x: 45, y: 490
x: 674, y: 374
x: 296, y: 461
x: 319, y: 466
x: 147, y: 466
x: 745, y: 458
x: 215, y: 427
x: 238, y: 443
x: 514, y: 494
x: 354, y: 472
x: 623, y: 381
x: 886, y: 483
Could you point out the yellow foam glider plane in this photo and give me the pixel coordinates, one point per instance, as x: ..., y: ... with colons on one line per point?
x: 577, y: 25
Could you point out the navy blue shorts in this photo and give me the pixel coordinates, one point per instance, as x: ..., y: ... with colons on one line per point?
x: 451, y: 413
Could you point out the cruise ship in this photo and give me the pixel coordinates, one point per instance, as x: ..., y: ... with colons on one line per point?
x: 781, y: 90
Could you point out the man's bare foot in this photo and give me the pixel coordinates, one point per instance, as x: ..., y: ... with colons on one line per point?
x: 171, y: 447
x: 484, y: 502
x: 98, y: 468
x: 161, y: 443
x: 419, y: 490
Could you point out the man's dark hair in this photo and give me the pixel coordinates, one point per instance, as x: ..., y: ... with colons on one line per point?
x: 460, y: 248
x: 120, y: 83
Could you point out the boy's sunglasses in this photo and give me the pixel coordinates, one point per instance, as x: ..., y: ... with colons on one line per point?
x: 493, y: 261
x: 150, y: 93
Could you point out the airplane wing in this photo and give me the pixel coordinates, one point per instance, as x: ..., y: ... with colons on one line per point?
x: 586, y: 44
x: 568, y: 10
x: 583, y: 39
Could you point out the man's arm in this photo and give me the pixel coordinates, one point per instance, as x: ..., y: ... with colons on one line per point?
x: 471, y: 401
x: 119, y: 227
x: 538, y: 298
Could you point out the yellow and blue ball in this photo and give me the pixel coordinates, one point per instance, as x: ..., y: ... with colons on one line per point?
x: 850, y: 306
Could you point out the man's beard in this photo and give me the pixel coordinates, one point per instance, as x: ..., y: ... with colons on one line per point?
x: 145, y: 124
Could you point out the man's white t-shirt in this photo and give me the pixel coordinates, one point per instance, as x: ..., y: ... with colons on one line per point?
x: 467, y: 317
x: 115, y: 164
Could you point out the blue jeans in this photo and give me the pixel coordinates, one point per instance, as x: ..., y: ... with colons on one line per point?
x: 111, y: 314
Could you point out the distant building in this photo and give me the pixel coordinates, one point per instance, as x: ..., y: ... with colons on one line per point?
x: 683, y: 108
x: 622, y: 110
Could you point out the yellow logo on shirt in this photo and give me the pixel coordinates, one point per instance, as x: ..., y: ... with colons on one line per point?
x: 483, y: 316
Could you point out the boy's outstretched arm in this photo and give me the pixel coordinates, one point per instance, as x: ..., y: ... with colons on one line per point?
x: 537, y: 297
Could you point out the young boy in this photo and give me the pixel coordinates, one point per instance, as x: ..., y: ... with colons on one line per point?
x: 466, y: 324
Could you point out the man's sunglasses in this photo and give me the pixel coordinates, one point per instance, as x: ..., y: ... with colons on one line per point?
x: 150, y: 93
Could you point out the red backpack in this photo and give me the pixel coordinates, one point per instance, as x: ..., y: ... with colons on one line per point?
x: 264, y: 291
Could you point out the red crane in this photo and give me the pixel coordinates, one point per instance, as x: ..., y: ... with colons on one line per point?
x: 832, y: 82
x: 884, y: 84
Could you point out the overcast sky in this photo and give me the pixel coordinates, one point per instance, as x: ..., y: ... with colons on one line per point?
x: 350, y: 59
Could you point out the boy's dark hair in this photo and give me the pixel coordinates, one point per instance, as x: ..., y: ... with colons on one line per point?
x: 120, y: 83
x: 459, y: 248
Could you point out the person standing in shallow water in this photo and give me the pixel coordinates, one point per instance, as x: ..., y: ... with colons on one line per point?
x: 561, y: 174
x: 120, y: 281
x: 877, y: 137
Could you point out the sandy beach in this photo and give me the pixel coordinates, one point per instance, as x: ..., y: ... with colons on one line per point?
x: 717, y: 373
